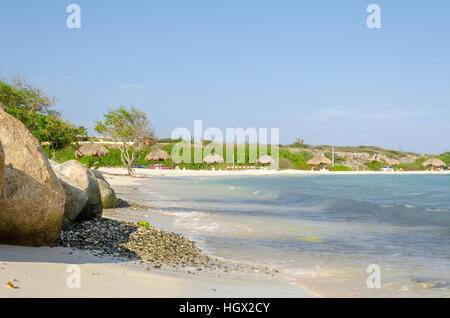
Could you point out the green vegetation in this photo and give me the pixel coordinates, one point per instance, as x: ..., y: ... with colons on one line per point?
x: 340, y: 168
x: 299, y: 159
x: 337, y: 159
x: 375, y: 165
x: 145, y: 224
x: 414, y: 166
x: 34, y: 109
x: 130, y: 127
x: 112, y: 160
x: 445, y: 157
x: 288, y: 159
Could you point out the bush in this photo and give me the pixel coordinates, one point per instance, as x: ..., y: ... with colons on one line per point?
x: 337, y: 159
x: 299, y: 160
x: 33, y: 108
x: 413, y: 166
x: 286, y: 164
x: 340, y: 168
x: 145, y: 224
x: 375, y: 165
x: 61, y: 155
x: 445, y: 157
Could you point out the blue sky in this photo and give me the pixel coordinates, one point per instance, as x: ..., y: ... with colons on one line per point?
x: 311, y: 68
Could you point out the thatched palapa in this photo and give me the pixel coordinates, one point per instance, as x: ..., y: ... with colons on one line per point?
x: 92, y: 149
x: 319, y: 160
x: 157, y: 155
x: 435, y: 163
x: 266, y: 160
x: 213, y: 158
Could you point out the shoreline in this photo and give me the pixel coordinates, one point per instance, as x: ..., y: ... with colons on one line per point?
x: 261, y: 172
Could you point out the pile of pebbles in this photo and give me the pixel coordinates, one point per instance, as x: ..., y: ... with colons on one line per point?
x: 152, y: 247
x: 122, y: 204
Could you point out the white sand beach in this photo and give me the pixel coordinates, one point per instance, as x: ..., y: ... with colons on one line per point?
x: 258, y: 172
x: 42, y: 272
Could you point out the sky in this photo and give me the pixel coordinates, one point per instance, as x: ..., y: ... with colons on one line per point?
x: 312, y: 68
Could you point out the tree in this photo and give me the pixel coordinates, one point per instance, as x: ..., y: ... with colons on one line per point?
x: 25, y: 102
x: 34, y: 109
x: 299, y: 141
x: 128, y: 128
x: 56, y: 132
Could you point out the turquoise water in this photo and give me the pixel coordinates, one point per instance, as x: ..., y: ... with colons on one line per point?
x: 321, y: 231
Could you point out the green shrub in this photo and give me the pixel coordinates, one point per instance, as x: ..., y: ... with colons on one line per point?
x: 337, y: 159
x: 286, y: 164
x: 445, y: 157
x: 375, y: 165
x: 299, y: 160
x: 145, y: 224
x: 61, y: 155
x: 340, y: 168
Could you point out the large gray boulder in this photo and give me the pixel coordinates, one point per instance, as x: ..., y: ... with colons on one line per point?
x: 32, y: 200
x: 109, y: 198
x: 76, y: 199
x: 2, y: 168
x: 83, y: 179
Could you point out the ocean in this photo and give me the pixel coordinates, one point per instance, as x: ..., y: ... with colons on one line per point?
x: 325, y: 233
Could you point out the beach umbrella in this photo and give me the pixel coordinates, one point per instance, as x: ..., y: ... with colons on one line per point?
x: 435, y: 163
x: 157, y: 155
x: 213, y: 158
x: 266, y: 160
x: 92, y: 149
x: 319, y: 160
x: 392, y: 162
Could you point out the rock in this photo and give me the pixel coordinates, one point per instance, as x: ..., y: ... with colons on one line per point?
x: 32, y: 203
x: 53, y: 163
x: 76, y: 200
x: 109, y: 198
x: 83, y: 179
x: 78, y: 155
x: 2, y: 168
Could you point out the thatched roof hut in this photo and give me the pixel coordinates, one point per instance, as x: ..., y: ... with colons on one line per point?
x: 392, y: 162
x: 157, y: 155
x: 213, y: 158
x: 266, y: 160
x: 92, y: 149
x: 319, y: 160
x: 435, y: 163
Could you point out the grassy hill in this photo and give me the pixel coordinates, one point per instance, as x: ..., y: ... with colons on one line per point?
x: 294, y: 156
